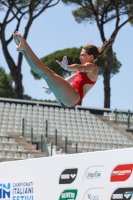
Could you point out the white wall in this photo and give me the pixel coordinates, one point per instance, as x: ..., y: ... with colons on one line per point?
x: 91, y: 182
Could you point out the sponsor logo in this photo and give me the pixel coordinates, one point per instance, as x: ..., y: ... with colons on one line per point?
x: 93, y: 172
x: 5, y: 191
x: 94, y: 194
x: 123, y: 193
x: 68, y: 195
x: 93, y: 197
x: 128, y: 194
x: 68, y: 176
x: 121, y: 173
x: 96, y: 174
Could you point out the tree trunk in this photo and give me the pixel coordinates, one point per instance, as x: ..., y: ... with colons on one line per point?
x: 14, y: 69
x: 17, y: 77
x: 106, y: 77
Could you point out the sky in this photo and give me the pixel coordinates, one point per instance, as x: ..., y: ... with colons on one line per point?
x: 56, y: 29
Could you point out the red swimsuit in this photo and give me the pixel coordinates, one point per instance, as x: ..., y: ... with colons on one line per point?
x: 78, y: 83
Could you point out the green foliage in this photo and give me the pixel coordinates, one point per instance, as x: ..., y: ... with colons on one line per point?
x: 83, y: 14
x: 6, y: 87
x: 50, y: 60
x: 101, y: 11
x: 45, y: 100
x: 27, y: 97
x: 36, y: 76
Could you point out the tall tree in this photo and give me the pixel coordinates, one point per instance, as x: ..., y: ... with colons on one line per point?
x: 16, y: 10
x: 73, y: 57
x: 120, y: 12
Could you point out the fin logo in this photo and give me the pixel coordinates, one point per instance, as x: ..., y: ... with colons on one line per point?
x: 5, y: 190
x: 123, y: 193
x: 128, y: 195
x: 68, y: 195
x: 68, y: 176
x: 73, y: 175
x: 121, y: 173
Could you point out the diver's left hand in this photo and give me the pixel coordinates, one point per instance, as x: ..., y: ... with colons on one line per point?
x: 64, y: 63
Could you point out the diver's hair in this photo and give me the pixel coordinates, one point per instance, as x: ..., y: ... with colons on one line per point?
x: 96, y: 52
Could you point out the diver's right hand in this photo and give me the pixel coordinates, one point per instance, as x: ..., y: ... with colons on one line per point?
x: 20, y: 41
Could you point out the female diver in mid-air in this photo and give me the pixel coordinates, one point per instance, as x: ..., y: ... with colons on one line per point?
x: 68, y: 92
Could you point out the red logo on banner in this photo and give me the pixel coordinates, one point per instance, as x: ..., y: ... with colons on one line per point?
x: 121, y: 173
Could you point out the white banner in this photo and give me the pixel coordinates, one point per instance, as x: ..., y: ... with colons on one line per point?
x: 103, y: 175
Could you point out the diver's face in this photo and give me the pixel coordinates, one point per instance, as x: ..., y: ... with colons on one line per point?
x: 85, y: 57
